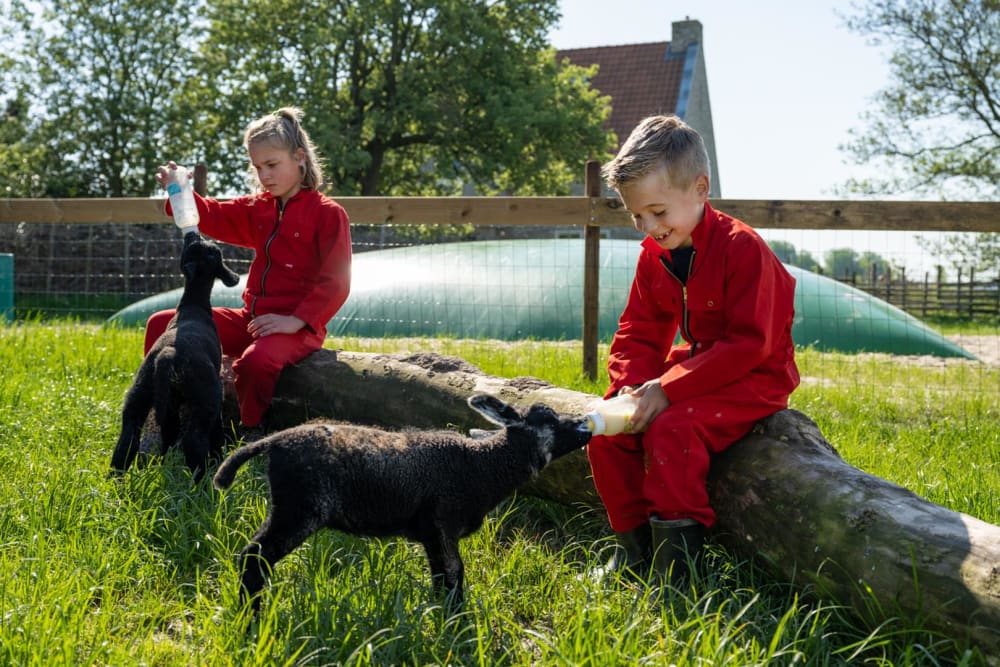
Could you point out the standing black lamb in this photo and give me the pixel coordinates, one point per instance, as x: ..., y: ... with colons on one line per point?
x: 433, y: 487
x: 180, y: 375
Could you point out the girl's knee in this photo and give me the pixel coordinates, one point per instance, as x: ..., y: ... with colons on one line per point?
x: 258, y: 361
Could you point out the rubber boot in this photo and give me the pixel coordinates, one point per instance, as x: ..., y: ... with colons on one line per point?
x: 677, y: 546
x: 631, y: 556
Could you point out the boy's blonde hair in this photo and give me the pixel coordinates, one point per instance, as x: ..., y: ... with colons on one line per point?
x: 659, y: 141
x: 281, y: 129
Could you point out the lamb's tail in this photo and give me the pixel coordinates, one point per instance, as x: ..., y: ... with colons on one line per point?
x: 226, y: 473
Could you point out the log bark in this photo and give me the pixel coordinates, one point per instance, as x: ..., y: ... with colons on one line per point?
x: 783, y: 495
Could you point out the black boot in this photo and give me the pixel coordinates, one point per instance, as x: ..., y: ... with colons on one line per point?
x: 631, y: 556
x: 677, y: 547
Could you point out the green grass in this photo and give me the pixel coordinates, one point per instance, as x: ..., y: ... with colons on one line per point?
x: 141, y: 570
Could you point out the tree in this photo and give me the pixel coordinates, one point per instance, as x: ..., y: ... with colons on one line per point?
x: 874, y: 265
x: 402, y: 96
x: 17, y: 153
x: 805, y: 260
x: 788, y: 254
x: 784, y: 250
x: 936, y: 127
x: 967, y: 252
x: 100, y: 76
x: 842, y: 263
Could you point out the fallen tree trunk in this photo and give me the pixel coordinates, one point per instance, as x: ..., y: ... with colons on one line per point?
x: 782, y: 494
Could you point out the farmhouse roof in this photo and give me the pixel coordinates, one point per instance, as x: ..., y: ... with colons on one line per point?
x: 641, y: 79
x: 654, y: 78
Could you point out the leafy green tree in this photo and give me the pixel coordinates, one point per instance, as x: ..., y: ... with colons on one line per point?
x: 100, y: 77
x: 872, y: 264
x: 785, y: 250
x: 401, y: 97
x: 842, y: 263
x: 936, y: 127
x: 789, y: 254
x: 969, y: 252
x: 17, y: 153
x: 805, y: 260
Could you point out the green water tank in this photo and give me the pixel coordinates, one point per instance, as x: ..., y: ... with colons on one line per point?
x: 7, y: 286
x: 533, y: 289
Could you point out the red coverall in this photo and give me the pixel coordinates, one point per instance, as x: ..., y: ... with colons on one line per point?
x: 301, y: 267
x: 734, y: 366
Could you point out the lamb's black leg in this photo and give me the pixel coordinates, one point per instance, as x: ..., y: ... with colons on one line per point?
x: 277, y: 537
x: 128, y: 445
x: 136, y: 407
x: 169, y: 422
x: 195, y: 445
x: 216, y: 439
x: 447, y: 569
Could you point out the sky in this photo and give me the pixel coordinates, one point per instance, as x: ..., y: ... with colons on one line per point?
x: 787, y: 81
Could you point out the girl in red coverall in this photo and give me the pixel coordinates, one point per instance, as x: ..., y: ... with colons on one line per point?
x: 711, y: 278
x: 301, y: 272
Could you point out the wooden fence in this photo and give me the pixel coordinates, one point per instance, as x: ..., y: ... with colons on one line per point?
x: 593, y: 212
x: 933, y: 296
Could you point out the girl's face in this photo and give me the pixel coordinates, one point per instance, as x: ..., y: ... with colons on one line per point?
x: 279, y: 171
x: 666, y: 214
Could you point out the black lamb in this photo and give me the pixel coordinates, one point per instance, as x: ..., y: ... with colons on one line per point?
x: 432, y: 487
x: 179, y: 377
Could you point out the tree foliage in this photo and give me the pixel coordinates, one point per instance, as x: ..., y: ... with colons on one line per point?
x: 789, y: 254
x: 936, y: 128
x: 94, y: 81
x: 844, y: 263
x: 404, y: 96
x: 401, y: 97
x: 979, y: 253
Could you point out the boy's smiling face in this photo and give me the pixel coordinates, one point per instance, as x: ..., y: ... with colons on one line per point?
x: 663, y: 212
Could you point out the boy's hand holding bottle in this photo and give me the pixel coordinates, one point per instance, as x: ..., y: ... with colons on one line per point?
x: 630, y: 411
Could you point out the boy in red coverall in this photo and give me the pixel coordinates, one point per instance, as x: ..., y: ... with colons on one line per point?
x: 711, y: 278
x: 301, y: 272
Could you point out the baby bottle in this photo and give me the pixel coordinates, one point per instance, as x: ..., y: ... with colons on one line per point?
x: 181, y: 192
x: 612, y: 416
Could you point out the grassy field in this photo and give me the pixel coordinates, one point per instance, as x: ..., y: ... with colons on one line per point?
x: 141, y: 570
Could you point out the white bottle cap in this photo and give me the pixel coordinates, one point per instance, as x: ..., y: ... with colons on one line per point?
x: 596, y: 423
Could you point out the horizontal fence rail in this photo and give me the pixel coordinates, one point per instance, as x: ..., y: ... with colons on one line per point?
x: 553, y: 211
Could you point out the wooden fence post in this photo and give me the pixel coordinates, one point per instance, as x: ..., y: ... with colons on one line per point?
x: 927, y: 287
x: 972, y: 293
x: 591, y: 272
x: 958, y: 294
x: 904, y: 286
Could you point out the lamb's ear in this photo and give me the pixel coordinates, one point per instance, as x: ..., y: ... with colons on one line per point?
x: 227, y: 275
x: 481, y: 433
x: 495, y: 410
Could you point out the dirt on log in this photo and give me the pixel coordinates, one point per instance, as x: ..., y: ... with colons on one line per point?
x: 782, y: 494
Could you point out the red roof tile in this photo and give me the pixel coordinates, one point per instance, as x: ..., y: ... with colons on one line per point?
x: 640, y: 79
